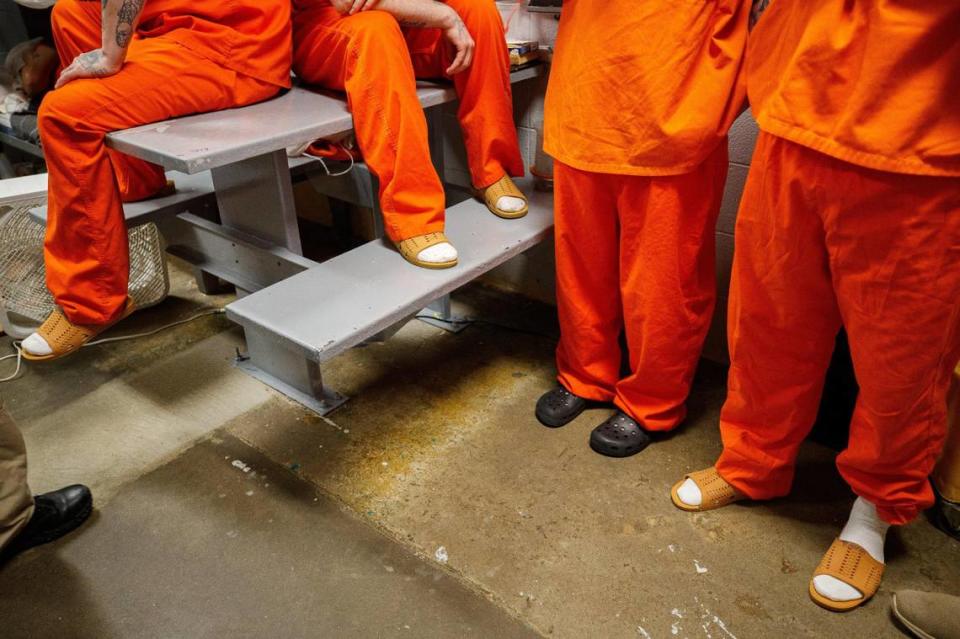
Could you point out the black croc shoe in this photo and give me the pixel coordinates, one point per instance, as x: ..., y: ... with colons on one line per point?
x: 619, y: 436
x: 54, y: 515
x: 559, y: 407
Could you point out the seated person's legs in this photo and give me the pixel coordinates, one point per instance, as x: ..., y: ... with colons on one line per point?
x: 86, y: 245
x: 486, y: 106
x: 365, y: 55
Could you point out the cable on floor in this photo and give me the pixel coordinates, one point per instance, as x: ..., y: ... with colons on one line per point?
x: 111, y: 340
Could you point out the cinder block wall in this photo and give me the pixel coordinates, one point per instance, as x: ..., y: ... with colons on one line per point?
x: 743, y: 137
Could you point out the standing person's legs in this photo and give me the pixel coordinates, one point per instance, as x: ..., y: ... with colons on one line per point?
x: 486, y: 100
x: 588, y: 286
x: 16, y: 501
x: 783, y: 321
x: 365, y: 54
x: 668, y: 286
x: 894, y: 244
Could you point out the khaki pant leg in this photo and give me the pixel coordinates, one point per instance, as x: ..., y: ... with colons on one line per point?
x: 16, y: 502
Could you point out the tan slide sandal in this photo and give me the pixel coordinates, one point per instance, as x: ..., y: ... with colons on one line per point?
x: 715, y: 491
x: 65, y: 338
x: 411, y: 248
x: 852, y: 565
x: 504, y: 187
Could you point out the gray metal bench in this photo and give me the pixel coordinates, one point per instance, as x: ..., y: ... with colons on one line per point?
x: 256, y: 246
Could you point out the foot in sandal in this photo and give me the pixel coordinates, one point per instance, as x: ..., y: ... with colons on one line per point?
x: 59, y: 337
x: 849, y: 574
x: 504, y: 199
x: 432, y: 250
x: 704, y: 490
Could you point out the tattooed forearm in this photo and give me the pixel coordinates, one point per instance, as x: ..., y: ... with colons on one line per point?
x: 417, y: 24
x: 127, y: 16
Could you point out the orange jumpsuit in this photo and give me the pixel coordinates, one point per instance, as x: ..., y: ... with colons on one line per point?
x: 851, y: 216
x: 376, y: 62
x: 640, y: 99
x: 186, y: 57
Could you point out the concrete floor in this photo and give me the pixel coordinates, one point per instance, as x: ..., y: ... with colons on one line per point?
x: 431, y: 505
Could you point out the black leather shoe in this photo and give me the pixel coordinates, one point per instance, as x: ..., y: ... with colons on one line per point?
x: 619, y: 436
x: 54, y: 515
x: 559, y: 407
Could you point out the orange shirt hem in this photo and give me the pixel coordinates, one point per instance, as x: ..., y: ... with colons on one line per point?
x: 811, y: 140
x: 622, y: 169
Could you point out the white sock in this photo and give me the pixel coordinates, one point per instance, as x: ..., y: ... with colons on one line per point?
x: 867, y: 530
x: 510, y: 203
x: 438, y: 253
x: 689, y: 493
x: 36, y: 345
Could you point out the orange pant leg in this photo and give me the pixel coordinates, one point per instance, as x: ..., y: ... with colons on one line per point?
x: 586, y: 232
x: 820, y: 241
x: 782, y: 323
x: 76, y: 30
x: 86, y: 245
x: 894, y: 242
x: 636, y: 252
x: 486, y: 99
x: 365, y: 55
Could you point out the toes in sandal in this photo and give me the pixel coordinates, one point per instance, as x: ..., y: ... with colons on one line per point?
x: 410, y: 249
x: 619, y: 436
x: 504, y: 187
x: 852, y: 565
x: 65, y: 338
x: 714, y: 490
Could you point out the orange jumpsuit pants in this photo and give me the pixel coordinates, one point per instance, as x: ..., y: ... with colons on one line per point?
x: 376, y: 62
x: 636, y: 253
x: 86, y: 254
x: 822, y: 243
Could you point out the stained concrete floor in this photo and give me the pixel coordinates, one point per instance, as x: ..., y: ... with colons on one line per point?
x: 431, y: 505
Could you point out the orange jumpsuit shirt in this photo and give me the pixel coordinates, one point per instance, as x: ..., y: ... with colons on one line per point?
x: 858, y: 81
x: 252, y: 38
x: 644, y: 87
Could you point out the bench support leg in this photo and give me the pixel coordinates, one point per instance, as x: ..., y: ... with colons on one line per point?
x: 255, y: 197
x: 288, y: 372
x: 440, y: 314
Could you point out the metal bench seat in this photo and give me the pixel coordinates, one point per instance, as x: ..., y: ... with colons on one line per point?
x: 241, y: 155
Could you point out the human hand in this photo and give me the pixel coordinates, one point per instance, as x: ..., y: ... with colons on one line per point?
x: 350, y: 7
x: 462, y: 42
x: 92, y: 64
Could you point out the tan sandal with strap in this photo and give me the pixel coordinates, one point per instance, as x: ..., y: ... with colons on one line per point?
x: 65, y: 338
x: 852, y: 565
x: 504, y: 187
x: 714, y: 490
x: 410, y: 249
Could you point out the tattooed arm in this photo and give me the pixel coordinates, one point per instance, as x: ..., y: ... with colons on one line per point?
x: 118, y: 25
x: 426, y: 14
